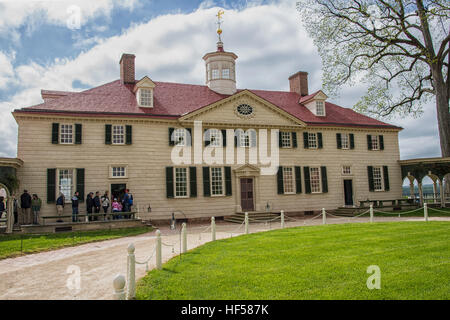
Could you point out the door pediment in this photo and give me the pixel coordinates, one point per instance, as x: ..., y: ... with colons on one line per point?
x: 247, y: 170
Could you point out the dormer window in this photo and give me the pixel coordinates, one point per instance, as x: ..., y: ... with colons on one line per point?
x: 226, y: 73
x: 215, y: 74
x: 144, y: 90
x: 146, y: 97
x: 320, y: 108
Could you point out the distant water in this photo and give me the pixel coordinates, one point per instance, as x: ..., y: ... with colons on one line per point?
x: 427, y: 188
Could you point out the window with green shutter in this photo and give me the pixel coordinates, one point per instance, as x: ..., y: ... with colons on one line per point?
x: 381, y: 140
x: 78, y: 133
x: 305, y: 140
x: 386, y: 178
x: 80, y: 184
x: 128, y: 134
x: 206, y: 182
x: 339, y: 140
x: 298, y: 180
x: 171, y: 137
x: 224, y: 138
x: 319, y: 140
x: 228, y: 184
x: 280, y: 185
x: 169, y: 182
x: 294, y: 139
x: 323, y: 173
x: 193, y: 181
x: 55, y: 133
x: 307, y: 180
x: 51, y: 185
x: 370, y: 176
x: 352, y: 141
x: 108, y: 134
x: 369, y: 142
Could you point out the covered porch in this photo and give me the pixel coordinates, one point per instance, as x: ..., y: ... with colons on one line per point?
x: 438, y: 170
x: 8, y: 185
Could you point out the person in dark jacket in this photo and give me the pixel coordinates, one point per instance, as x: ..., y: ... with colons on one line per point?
x: 126, y: 201
x: 97, y: 204
x: 75, y: 201
x: 15, y: 210
x: 2, y: 206
x: 89, y: 204
x: 36, y: 204
x: 60, y: 203
x: 25, y: 204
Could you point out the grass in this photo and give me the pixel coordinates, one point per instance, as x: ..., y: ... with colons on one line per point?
x: 15, y: 245
x: 419, y: 213
x: 316, y: 262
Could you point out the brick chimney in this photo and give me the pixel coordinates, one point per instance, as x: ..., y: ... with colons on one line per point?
x: 127, y: 72
x: 299, y: 83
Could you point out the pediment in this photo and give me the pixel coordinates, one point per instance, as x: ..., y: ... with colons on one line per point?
x: 244, y: 109
x: 247, y: 169
x: 145, y: 82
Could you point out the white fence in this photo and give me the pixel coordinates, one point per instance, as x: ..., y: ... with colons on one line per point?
x: 124, y: 292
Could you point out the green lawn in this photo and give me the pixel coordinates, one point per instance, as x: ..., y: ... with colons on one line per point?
x: 443, y: 212
x: 14, y: 245
x: 316, y: 262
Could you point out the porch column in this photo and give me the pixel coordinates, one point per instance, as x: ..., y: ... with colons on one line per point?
x: 442, y: 193
x: 420, y: 194
x: 10, y: 215
x: 411, y: 189
x: 435, y: 190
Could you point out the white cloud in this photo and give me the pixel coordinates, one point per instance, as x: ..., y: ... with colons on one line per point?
x: 268, y: 39
x: 6, y: 68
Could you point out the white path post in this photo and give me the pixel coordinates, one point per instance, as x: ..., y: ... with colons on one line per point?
x: 425, y: 211
x: 246, y: 223
x: 282, y: 219
x: 324, y: 216
x: 158, y: 250
x: 213, y: 228
x: 184, y: 237
x: 119, y: 287
x: 131, y: 273
x: 371, y: 213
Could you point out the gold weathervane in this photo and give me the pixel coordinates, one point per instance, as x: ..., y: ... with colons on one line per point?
x: 219, y: 23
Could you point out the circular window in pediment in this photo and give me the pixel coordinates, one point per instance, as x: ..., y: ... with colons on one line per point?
x: 244, y: 110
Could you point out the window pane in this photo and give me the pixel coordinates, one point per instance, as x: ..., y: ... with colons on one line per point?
x: 66, y: 182
x: 346, y: 170
x: 377, y: 182
x: 288, y: 180
x: 345, y: 141
x: 315, y: 179
x: 66, y: 135
x: 374, y: 142
x: 118, y: 134
x: 145, y: 97
x: 226, y: 73
x: 216, y: 181
x: 312, y: 140
x: 118, y: 171
x: 215, y: 73
x: 180, y: 137
x: 286, y: 139
x: 244, y: 139
x: 320, y: 108
x: 215, y: 137
x: 181, y: 182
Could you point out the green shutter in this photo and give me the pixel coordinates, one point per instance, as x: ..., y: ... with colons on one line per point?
x: 280, y: 139
x: 280, y: 185
x: 294, y: 140
x: 352, y: 141
x: 319, y: 140
x: 339, y: 140
x: 189, y: 137
x: 305, y: 140
x: 381, y: 139
x: 206, y: 182
x: 207, y: 137
x: 224, y: 138
x: 171, y: 142
x: 298, y: 179
x: 169, y: 182
x: 228, y: 187
x: 55, y: 133
x: 252, y: 138
x: 323, y: 171
x: 307, y: 180
x: 193, y: 181
x: 80, y: 183
x: 51, y: 185
x: 108, y: 129
x: 128, y: 134
x: 78, y: 133
x: 370, y: 176
x: 369, y: 142
x: 386, y: 178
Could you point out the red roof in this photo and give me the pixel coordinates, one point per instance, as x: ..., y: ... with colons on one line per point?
x: 172, y: 100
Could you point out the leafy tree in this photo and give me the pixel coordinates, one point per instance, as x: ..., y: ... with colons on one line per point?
x: 398, y: 48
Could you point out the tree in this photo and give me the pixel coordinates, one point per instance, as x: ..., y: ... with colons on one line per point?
x: 398, y: 48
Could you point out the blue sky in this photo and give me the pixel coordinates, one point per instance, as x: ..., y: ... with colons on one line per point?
x: 39, y: 51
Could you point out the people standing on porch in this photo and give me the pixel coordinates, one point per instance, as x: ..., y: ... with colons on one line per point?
x: 97, y: 204
x: 15, y: 209
x: 116, y: 207
x: 105, y: 202
x: 60, y: 203
x: 75, y: 200
x: 2, y: 206
x: 126, y: 201
x: 25, y: 204
x: 36, y: 204
x: 89, y: 205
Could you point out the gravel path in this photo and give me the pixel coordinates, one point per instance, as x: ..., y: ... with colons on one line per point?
x: 45, y: 275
